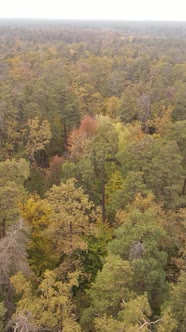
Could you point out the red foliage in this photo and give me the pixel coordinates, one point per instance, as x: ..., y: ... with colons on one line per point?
x: 88, y: 126
x: 54, y: 171
x: 78, y: 137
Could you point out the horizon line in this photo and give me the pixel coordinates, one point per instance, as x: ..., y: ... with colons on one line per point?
x: 93, y: 19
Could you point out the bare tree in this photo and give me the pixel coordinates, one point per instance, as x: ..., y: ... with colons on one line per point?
x: 13, y: 258
x: 137, y: 250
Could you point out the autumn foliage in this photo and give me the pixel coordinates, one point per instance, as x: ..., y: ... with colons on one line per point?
x: 92, y: 177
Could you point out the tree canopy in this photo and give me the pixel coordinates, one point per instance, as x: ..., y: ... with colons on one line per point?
x: 92, y: 176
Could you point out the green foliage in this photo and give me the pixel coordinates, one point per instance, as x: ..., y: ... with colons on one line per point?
x: 143, y: 223
x: 128, y: 106
x: 113, y: 307
x: 108, y: 324
x: 2, y: 315
x: 39, y: 136
x: 108, y: 290
x: 102, y: 109
x: 177, y: 302
x: 36, y: 183
x: 125, y: 191
x: 9, y: 198
x: 83, y: 171
x: 167, y: 322
x: 51, y: 308
x: 14, y: 170
x: 180, y: 103
x: 160, y: 163
x: 173, y: 314
x: 72, y: 220
x: 111, y: 285
x: 97, y: 249
x: 165, y: 175
x: 177, y: 132
x: 13, y: 174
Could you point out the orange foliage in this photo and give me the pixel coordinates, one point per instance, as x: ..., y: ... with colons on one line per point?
x: 88, y: 126
x: 78, y: 137
x: 54, y: 172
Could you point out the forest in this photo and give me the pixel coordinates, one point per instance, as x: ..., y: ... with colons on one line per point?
x: 92, y: 176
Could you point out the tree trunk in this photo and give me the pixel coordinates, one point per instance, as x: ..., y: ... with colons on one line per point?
x: 103, y: 192
x: 65, y: 135
x: 184, y: 187
x: 3, y: 229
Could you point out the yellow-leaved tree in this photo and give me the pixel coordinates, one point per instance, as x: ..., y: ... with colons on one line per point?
x: 72, y: 220
x: 49, y: 307
x: 39, y: 136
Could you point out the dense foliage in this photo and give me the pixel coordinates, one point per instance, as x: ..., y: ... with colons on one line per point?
x: 92, y: 177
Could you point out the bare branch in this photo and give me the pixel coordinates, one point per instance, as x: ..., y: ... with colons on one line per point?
x: 148, y: 324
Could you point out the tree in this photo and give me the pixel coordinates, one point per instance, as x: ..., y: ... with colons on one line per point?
x: 104, y: 147
x: 128, y: 105
x: 112, y: 106
x: 143, y: 222
x: 160, y: 120
x: 13, y: 174
x: 110, y: 288
x: 178, y: 306
x: 176, y: 131
x: 144, y: 104
x: 78, y: 139
x: 160, y: 162
x: 2, y: 315
x: 50, y: 307
x: 173, y: 316
x: 58, y: 100
x: 126, y: 191
x: 72, y: 217
x: 167, y: 322
x: 165, y: 174
x: 39, y: 136
x: 180, y: 102
x: 14, y: 170
x: 9, y: 199
x: 54, y: 172
x: 13, y: 258
x: 114, y: 305
x: 36, y: 213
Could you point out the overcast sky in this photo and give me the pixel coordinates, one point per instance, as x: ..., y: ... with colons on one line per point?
x: 95, y: 9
